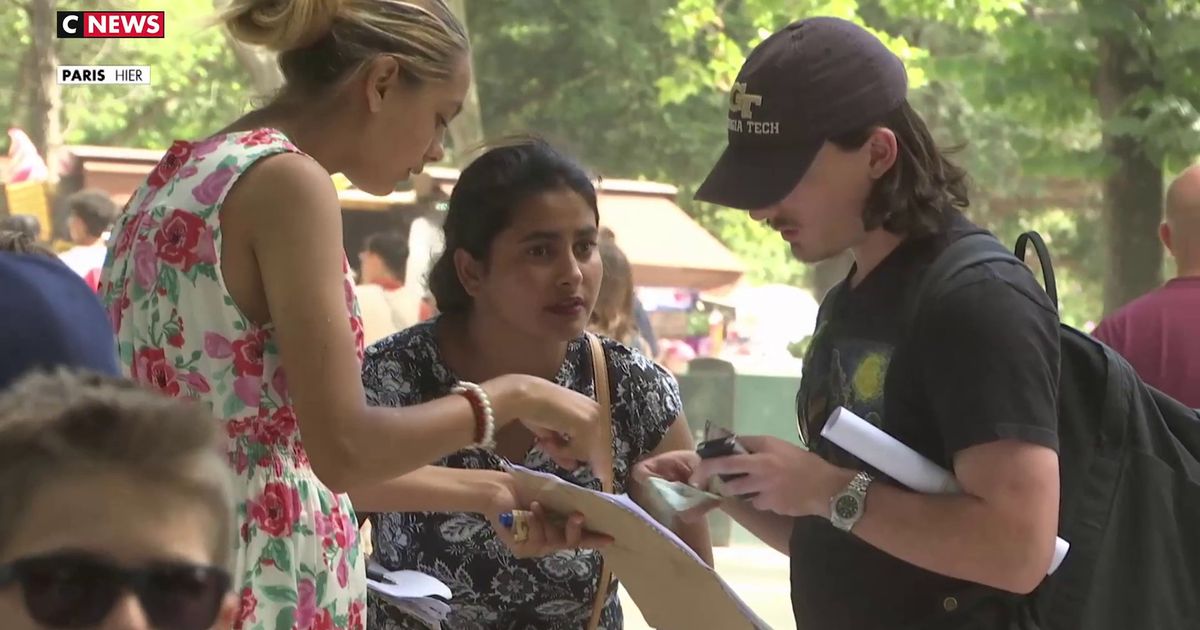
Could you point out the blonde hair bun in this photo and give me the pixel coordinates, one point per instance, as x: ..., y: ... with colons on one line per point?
x: 280, y: 25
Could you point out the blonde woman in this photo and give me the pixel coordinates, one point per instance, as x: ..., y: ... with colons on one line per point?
x: 226, y: 282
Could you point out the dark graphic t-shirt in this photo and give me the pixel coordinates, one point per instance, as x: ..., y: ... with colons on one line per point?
x: 981, y: 364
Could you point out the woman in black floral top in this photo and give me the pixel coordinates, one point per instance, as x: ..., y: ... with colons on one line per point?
x: 515, y: 288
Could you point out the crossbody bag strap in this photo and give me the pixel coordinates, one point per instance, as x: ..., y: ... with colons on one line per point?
x: 603, y: 396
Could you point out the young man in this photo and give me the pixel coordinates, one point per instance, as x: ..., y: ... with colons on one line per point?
x: 824, y: 147
x: 115, y: 509
x: 92, y: 213
x: 1157, y: 333
x: 387, y: 304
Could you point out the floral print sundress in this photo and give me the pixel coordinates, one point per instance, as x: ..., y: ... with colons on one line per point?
x: 298, y: 564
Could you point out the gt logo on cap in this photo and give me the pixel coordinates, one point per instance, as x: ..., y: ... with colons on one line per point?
x: 741, y: 102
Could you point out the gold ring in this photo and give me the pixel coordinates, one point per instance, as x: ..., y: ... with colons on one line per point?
x: 520, y: 526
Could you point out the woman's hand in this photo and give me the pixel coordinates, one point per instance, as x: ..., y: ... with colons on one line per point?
x: 504, y: 497
x: 568, y: 425
x: 534, y: 533
x: 673, y: 466
x: 680, y: 466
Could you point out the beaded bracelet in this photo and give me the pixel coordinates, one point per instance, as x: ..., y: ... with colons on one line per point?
x: 485, y: 420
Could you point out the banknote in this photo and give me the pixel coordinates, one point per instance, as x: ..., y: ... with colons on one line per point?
x: 678, y: 496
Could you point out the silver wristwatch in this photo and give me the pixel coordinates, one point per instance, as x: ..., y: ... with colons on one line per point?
x: 847, y: 506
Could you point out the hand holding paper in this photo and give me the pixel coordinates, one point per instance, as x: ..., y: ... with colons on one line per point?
x: 535, y: 532
x: 671, y: 584
x: 900, y: 462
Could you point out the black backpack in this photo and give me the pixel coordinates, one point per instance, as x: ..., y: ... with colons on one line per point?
x: 1129, y: 459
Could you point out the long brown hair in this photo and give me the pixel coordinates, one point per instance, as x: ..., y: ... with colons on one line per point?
x: 613, y: 315
x: 913, y: 196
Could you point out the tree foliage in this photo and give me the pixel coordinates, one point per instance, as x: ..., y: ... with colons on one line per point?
x: 1098, y: 98
x: 1057, y: 103
x: 197, y: 85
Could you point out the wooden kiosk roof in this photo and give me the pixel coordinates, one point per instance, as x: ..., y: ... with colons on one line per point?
x: 665, y: 246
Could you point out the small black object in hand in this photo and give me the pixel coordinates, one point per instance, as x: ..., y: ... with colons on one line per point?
x: 724, y: 447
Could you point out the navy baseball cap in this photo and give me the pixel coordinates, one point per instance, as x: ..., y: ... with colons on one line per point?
x: 814, y: 80
x: 50, y: 318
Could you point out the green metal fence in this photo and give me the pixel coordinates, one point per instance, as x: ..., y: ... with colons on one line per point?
x: 747, y: 404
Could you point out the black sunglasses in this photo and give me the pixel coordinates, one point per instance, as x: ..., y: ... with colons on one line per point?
x: 78, y: 590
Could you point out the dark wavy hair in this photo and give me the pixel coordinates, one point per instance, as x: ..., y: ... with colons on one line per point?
x: 22, y: 223
x: 392, y: 249
x: 95, y: 209
x: 483, y: 201
x: 914, y: 195
x: 20, y: 243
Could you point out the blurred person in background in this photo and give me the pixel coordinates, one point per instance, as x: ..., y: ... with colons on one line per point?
x: 91, y: 214
x: 387, y: 304
x: 613, y: 315
x: 24, y: 224
x: 1158, y: 333
x: 641, y: 316
x: 227, y: 282
x: 116, y: 509
x: 21, y: 243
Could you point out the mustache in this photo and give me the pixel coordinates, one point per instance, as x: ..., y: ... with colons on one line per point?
x: 779, y: 226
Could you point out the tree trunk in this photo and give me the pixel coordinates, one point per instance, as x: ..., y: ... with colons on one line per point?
x: 45, y: 111
x: 1133, y: 187
x: 466, y: 132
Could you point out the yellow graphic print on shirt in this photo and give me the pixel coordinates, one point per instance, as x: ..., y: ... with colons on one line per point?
x: 852, y: 375
x: 869, y: 376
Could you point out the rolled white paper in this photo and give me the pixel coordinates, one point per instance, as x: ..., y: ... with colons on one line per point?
x: 891, y: 456
x: 900, y: 462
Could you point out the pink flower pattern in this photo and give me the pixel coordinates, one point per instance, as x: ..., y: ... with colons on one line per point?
x: 297, y: 554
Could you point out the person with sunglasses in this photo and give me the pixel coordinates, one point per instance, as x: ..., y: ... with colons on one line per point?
x: 116, y: 509
x: 825, y: 147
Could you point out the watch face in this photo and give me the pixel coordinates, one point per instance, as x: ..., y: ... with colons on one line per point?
x: 846, y: 506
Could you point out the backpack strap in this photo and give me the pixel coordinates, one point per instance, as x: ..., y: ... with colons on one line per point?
x: 1044, y: 262
x: 976, y: 248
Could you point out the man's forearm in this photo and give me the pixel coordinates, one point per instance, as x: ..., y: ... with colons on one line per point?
x: 432, y: 489
x: 959, y: 536
x: 769, y: 527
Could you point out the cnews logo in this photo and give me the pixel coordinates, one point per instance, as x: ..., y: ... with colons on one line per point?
x: 110, y: 24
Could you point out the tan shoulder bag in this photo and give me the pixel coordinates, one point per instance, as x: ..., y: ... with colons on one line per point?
x: 605, y: 473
